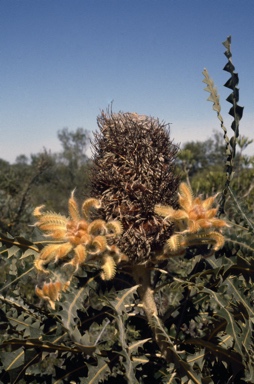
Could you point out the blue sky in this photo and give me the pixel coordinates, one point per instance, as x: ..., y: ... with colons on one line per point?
x: 63, y: 61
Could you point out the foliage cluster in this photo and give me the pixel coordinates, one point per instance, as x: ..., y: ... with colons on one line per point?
x: 182, y: 314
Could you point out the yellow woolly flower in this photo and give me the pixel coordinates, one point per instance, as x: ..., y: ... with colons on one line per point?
x: 108, y: 268
x: 195, y: 223
x: 78, y: 237
x: 51, y: 292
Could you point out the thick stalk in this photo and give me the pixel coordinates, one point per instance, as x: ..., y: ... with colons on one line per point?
x: 142, y: 276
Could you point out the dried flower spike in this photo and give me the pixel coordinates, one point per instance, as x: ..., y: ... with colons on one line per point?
x: 134, y: 169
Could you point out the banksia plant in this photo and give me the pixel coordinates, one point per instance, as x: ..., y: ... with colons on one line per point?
x: 135, y: 170
x: 135, y: 178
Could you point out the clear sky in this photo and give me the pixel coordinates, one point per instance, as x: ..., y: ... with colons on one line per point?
x: 63, y: 61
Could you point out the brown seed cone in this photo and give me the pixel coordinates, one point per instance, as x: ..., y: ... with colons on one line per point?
x: 134, y: 169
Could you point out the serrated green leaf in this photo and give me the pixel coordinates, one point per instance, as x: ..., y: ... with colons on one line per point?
x: 133, y: 348
x: 223, y: 354
x: 12, y: 360
x: 99, y: 372
x: 224, y: 312
x: 35, y: 343
x: 123, y: 297
x: 29, y: 252
x: 13, y: 251
x: 72, y: 302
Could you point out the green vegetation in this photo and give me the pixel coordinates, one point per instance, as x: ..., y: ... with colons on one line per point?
x: 135, y: 278
x: 46, y: 178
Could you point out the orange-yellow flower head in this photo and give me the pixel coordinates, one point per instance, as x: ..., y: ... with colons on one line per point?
x: 77, y: 238
x: 51, y: 292
x: 195, y: 224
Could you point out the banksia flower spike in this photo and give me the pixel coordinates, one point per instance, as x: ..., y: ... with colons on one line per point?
x: 195, y: 223
x: 78, y: 239
x: 133, y: 171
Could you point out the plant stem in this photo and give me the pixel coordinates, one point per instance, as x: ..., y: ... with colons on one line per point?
x: 142, y: 276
